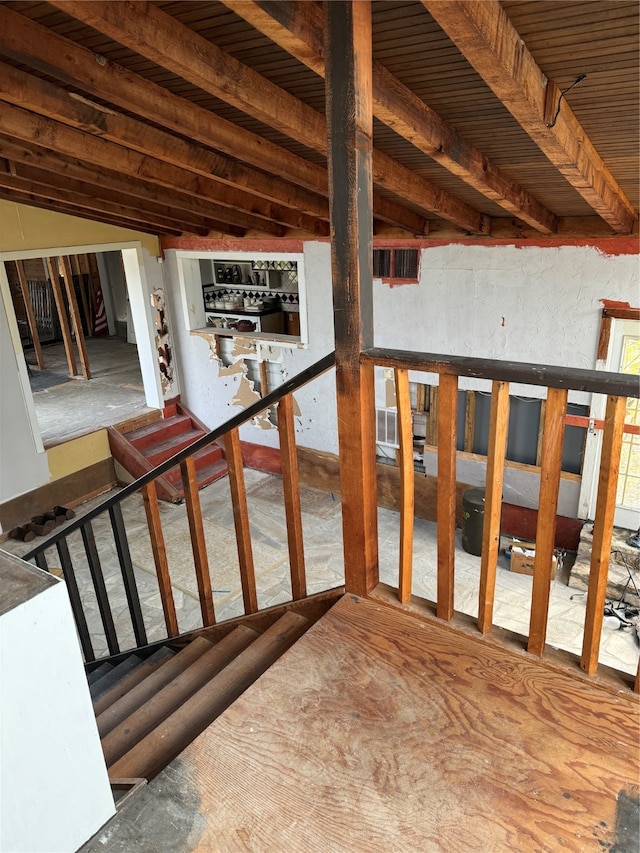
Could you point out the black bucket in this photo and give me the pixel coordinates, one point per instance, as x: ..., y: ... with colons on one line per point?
x: 472, y: 521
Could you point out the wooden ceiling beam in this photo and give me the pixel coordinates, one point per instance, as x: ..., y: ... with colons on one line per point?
x: 38, y: 47
x: 74, y: 143
x: 135, y: 192
x: 96, y: 196
x: 483, y: 33
x: 22, y: 89
x: 149, y: 31
x: 297, y: 27
x: 31, y: 200
x: 83, y: 202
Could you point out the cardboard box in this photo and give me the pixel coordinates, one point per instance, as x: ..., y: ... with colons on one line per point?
x: 523, y: 556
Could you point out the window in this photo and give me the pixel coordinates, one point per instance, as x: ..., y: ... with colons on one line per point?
x: 396, y: 265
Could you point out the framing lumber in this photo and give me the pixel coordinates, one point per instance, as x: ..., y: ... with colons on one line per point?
x: 68, y: 140
x: 74, y: 261
x: 486, y: 37
x: 407, y: 485
x: 198, y: 542
x: 85, y: 198
x: 550, y: 471
x: 76, y: 319
x: 39, y: 96
x: 497, y: 446
x: 350, y: 135
x: 31, y: 44
x: 50, y: 168
x: 154, y: 523
x: 160, y: 38
x: 31, y: 319
x: 603, y: 531
x: 291, y: 488
x: 233, y: 455
x: 54, y: 277
x: 446, y: 500
x: 297, y: 27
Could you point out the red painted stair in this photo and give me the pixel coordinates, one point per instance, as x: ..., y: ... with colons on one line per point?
x: 142, y: 449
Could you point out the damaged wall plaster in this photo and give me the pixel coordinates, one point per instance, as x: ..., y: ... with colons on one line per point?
x: 163, y: 342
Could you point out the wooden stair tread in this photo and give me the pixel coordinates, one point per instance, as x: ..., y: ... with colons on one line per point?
x: 161, y: 745
x: 171, y: 445
x: 129, y: 681
x: 114, y: 675
x: 124, y: 736
x: 152, y: 684
x: 98, y: 672
x: 165, y: 427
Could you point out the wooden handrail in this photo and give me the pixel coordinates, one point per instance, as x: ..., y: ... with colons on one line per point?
x: 573, y: 378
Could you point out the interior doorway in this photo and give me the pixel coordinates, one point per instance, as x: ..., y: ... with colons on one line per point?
x: 93, y: 373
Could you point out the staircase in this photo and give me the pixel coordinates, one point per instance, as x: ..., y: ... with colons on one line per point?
x: 139, y: 450
x: 149, y: 710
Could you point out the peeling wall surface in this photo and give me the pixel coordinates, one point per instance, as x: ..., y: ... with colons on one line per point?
x: 532, y: 304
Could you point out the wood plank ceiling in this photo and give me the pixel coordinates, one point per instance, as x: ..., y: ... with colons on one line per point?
x: 207, y: 118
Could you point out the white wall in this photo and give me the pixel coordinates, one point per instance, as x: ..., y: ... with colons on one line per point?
x: 532, y: 304
x: 54, y: 787
x: 23, y: 462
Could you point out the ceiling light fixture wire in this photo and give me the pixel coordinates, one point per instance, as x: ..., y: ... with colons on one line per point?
x: 578, y: 79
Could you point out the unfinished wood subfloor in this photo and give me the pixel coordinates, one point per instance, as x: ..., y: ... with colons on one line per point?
x: 377, y: 732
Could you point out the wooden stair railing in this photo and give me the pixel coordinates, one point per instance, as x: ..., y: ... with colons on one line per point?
x: 147, y: 486
x: 617, y: 387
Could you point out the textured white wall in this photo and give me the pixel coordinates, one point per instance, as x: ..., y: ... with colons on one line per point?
x: 55, y: 791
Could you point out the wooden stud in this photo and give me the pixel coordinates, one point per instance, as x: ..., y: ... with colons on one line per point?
x: 291, y: 487
x: 198, y: 542
x: 52, y: 268
x: 603, y: 530
x: 350, y: 134
x: 446, y: 500
x: 152, y: 511
x: 407, y: 487
x: 497, y: 446
x: 241, y: 520
x: 31, y: 319
x: 421, y: 397
x: 603, y: 337
x: 550, y: 471
x: 432, y: 419
x: 63, y: 263
x: 264, y: 378
x: 470, y: 421
x: 541, y: 431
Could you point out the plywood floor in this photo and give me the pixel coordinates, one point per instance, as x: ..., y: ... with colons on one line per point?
x: 377, y: 732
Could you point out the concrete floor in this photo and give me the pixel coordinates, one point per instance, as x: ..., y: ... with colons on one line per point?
x: 68, y: 407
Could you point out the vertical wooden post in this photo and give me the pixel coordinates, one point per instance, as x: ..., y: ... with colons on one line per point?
x: 152, y: 511
x: 31, y: 319
x: 198, y: 542
x: 432, y: 420
x: 291, y: 488
x: 498, y: 427
x: 52, y: 268
x: 470, y: 421
x: 551, y: 468
x: 603, y: 530
x: 241, y: 520
x: 446, y: 499
x: 75, y: 315
x: 407, y: 486
x: 350, y: 143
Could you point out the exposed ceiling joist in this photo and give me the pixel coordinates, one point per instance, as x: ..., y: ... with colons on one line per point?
x: 29, y: 43
x: 134, y: 192
x: 156, y: 35
x: 38, y: 96
x: 297, y: 27
x: 84, y: 202
x: 486, y: 37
